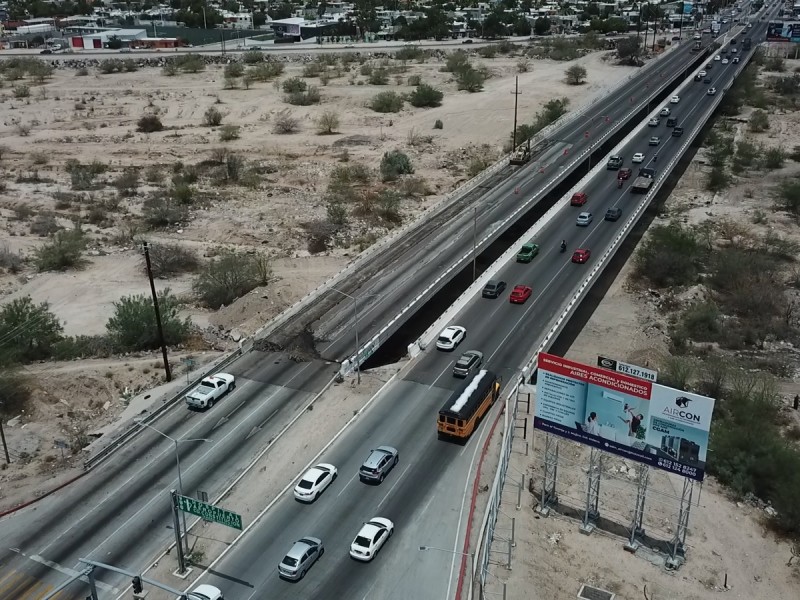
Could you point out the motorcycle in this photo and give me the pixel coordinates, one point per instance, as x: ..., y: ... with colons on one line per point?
x: 563, y: 247
x: 619, y: 183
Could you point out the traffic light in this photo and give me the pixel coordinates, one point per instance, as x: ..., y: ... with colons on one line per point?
x: 137, y: 585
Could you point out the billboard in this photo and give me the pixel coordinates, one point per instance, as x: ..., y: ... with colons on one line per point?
x: 633, y: 418
x: 783, y: 31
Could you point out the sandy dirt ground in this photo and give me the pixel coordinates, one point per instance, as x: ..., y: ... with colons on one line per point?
x: 727, y: 539
x: 93, y: 118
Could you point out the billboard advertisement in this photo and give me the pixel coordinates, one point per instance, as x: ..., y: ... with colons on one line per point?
x: 783, y: 31
x: 633, y: 418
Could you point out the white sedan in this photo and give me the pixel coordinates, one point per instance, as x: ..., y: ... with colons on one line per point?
x: 314, y: 482
x: 637, y: 158
x: 674, y: 99
x: 205, y: 592
x: 664, y: 112
x: 717, y: 57
x: 712, y: 91
x: 724, y: 61
x: 371, y: 538
x: 451, y: 337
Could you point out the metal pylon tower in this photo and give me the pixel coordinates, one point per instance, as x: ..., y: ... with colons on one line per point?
x: 592, y: 512
x: 679, y: 541
x: 642, y: 476
x: 549, y: 496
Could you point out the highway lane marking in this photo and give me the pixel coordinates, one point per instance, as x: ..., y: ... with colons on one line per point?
x: 352, y: 479
x: 396, y: 483
x: 261, y: 425
x: 457, y: 554
x: 63, y: 570
x: 227, y: 417
x: 427, y: 505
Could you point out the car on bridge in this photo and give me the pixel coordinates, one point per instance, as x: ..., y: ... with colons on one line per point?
x: 314, y: 482
x: 520, y: 294
x: 703, y: 74
x: 209, y: 390
x: 581, y: 255
x: 205, y: 592
x: 707, y: 80
x: 677, y: 132
x: 451, y: 337
x: 470, y: 361
x: 725, y: 61
x: 371, y: 538
x: 717, y: 58
x: 584, y: 219
x: 664, y: 112
x: 624, y: 174
x: 578, y: 199
x: 735, y: 59
x: 300, y: 558
x: 711, y: 91
x: 493, y: 289
x: 615, y: 162
x: 674, y: 99
x: 654, y: 141
x: 654, y: 122
x: 380, y: 461
x: 613, y: 213
x: 528, y: 252
x: 638, y: 158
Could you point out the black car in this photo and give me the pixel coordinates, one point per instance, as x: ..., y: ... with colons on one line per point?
x: 612, y: 214
x: 698, y: 78
x: 677, y: 132
x: 707, y: 80
x: 493, y: 288
x: 46, y: 51
x: 614, y: 163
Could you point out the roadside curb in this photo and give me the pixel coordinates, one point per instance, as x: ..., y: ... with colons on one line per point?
x: 465, y: 551
x: 45, y: 495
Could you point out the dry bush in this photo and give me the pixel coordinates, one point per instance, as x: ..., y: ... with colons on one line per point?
x: 171, y: 259
x: 45, y: 224
x: 327, y: 123
x: 285, y: 122
x: 12, y: 262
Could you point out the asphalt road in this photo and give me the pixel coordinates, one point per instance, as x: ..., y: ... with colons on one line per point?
x: 119, y: 514
x: 423, y: 495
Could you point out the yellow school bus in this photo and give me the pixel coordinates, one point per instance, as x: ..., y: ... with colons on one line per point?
x: 461, y: 414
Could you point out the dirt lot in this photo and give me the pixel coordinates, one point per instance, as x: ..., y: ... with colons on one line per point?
x: 94, y: 117
x: 728, y: 540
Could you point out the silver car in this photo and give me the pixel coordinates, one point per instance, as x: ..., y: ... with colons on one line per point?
x: 299, y: 559
x: 470, y: 361
x: 380, y: 461
x: 584, y: 219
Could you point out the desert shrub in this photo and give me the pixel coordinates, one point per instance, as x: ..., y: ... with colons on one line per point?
x: 127, y: 182
x: 717, y: 179
x: 28, y: 331
x: 130, y: 65
x: 773, y: 158
x: 774, y: 63
x: 354, y: 173
x: 394, y: 164
x: 267, y: 70
x: 327, y: 123
x: 110, y: 65
x: 285, y: 122
x: 16, y: 394
x: 149, y: 124
x: 161, y: 211
x: 438, y: 124
x: 233, y: 168
x: 425, y: 95
x: 386, y: 102
x: 170, y: 69
x: 389, y: 207
x: 294, y: 85
x: 378, y: 77
x: 153, y: 174
x: 45, y: 224
x: 410, y: 53
x: 212, y: 117
x: 22, y: 91
x: 676, y: 371
x: 190, y: 63
x: 414, y: 79
x: 252, y: 57
x: 701, y: 322
x: 758, y: 121
x: 337, y: 213
x: 456, y: 62
x: 12, y: 262
x: 171, y: 259
x: 228, y: 133
x: 575, y: 75
x: 63, y: 251
x: 82, y: 346
x: 181, y: 191
x: 307, y: 98
x: 82, y: 72
x: 671, y: 255
x: 133, y: 325
x: 523, y: 66
x: 478, y: 164
x: 233, y: 70
x: 229, y: 276
x: 312, y: 69
x: 470, y: 80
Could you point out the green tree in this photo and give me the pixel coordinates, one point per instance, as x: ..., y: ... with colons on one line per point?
x: 394, y: 164
x: 575, y: 75
x: 541, y: 25
x: 628, y: 49
x: 28, y: 331
x: 133, y: 325
x: 425, y: 95
x: 230, y: 276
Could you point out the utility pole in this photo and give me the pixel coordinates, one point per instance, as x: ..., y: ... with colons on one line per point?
x: 474, y: 243
x: 167, y: 370
x: 516, y: 97
x: 5, y: 446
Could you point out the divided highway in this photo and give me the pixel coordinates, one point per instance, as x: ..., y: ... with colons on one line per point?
x: 424, y: 494
x: 116, y: 514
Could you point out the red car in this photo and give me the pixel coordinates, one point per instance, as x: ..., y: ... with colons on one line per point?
x: 581, y: 255
x: 578, y: 199
x: 624, y: 174
x: 520, y: 294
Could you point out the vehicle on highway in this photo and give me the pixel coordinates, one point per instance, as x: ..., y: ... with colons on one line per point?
x: 707, y: 80
x: 528, y: 252
x: 735, y: 59
x: 711, y: 91
x: 371, y: 538
x: 654, y: 141
x: 642, y: 184
x: 451, y: 337
x: 698, y: 77
x: 697, y: 36
x: 703, y: 74
x: 733, y: 50
x: 725, y: 61
x: 314, y: 482
x: 654, y: 122
x: 613, y: 214
x: 626, y: 173
x: 467, y: 405
x: 638, y: 158
x: 672, y: 121
x: 717, y: 57
x: 578, y: 199
x: 520, y: 294
x: 46, y: 51
x: 677, y: 132
x: 349, y: 45
x: 710, y: 66
x: 584, y: 219
x: 205, y: 592
x: 380, y: 461
x: 470, y: 361
x: 615, y: 162
x: 674, y: 99
x: 467, y: 42
x: 302, y: 555
x: 493, y: 288
x: 581, y: 255
x: 125, y: 50
x: 664, y: 112
x: 209, y: 390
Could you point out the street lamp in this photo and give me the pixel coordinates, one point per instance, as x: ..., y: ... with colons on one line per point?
x: 178, y: 463
x: 355, y: 326
x: 469, y: 554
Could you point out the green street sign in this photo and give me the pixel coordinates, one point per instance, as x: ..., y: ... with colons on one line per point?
x: 209, y: 512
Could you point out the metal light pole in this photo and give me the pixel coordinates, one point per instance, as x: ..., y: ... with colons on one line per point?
x: 355, y: 326
x: 516, y: 97
x: 178, y: 463
x: 205, y: 25
x: 471, y: 556
x: 474, y: 243
x: 5, y: 446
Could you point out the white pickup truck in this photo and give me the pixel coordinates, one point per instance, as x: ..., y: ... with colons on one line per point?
x: 209, y: 390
